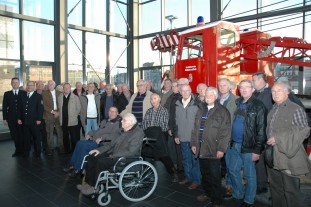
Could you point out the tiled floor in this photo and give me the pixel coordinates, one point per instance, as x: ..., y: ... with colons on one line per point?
x: 40, y: 182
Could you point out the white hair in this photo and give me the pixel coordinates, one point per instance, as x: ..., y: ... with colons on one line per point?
x: 131, y: 117
x: 212, y: 89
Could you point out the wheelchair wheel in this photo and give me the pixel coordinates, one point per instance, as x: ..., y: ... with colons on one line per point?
x: 101, y: 188
x: 138, y: 180
x: 103, y: 199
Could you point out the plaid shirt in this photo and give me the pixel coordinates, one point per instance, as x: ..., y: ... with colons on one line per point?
x: 158, y: 117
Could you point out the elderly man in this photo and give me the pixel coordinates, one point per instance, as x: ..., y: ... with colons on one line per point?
x: 248, y: 138
x: 124, y: 97
x: 209, y: 141
x: 69, y: 109
x: 107, y: 100
x: 102, y: 87
x: 167, y: 91
x: 128, y: 144
x: 287, y: 128
x: 109, y: 129
x: 227, y: 99
x: 79, y: 90
x: 185, y: 111
x: 50, y: 115
x: 155, y: 125
x: 90, y: 109
x: 201, y: 87
x: 140, y: 102
x: 30, y: 115
x: 10, y: 114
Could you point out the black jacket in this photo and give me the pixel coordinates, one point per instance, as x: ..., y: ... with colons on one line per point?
x: 103, y: 104
x: 254, y: 132
x: 10, y: 105
x: 30, y: 110
x: 122, y: 101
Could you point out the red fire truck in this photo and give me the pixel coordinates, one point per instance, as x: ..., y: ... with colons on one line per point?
x: 219, y: 49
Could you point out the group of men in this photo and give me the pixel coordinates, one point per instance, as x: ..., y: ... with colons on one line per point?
x: 212, y: 135
x: 35, y: 113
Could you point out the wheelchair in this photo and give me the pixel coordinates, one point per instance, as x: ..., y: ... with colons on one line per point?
x: 135, y: 178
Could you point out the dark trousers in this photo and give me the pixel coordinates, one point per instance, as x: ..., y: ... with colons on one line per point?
x: 285, y: 190
x: 211, y: 179
x: 33, y: 131
x: 43, y: 135
x: 261, y: 172
x: 169, y: 165
x: 180, y: 168
x: 71, y: 135
x: 16, y: 132
x: 95, y: 165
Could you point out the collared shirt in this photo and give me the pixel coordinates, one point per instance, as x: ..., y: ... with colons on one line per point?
x: 156, y: 117
x: 185, y: 102
x: 222, y: 100
x: 29, y: 94
x: 15, y: 91
x: 54, y: 99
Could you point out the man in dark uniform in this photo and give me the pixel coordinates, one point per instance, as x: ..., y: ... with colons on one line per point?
x: 30, y: 115
x: 10, y: 113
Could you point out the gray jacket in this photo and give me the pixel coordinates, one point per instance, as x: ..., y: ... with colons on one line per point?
x: 84, y: 103
x: 185, y: 118
x: 108, y: 130
x: 74, y: 108
x: 128, y: 144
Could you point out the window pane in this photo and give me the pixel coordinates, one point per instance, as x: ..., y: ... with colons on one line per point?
x: 117, y: 23
x: 192, y: 47
x: 96, y: 55
x: 154, y: 75
x: 227, y: 37
x: 278, y: 4
x: 95, y: 16
x: 9, y: 5
x: 74, y: 56
x: 150, y: 17
x: 200, y: 8
x: 9, y: 38
x: 234, y: 8
x: 39, y: 8
x: 146, y: 55
x: 118, y: 60
x: 75, y: 12
x: 8, y: 70
x: 177, y: 8
x: 38, y: 72
x: 39, y: 42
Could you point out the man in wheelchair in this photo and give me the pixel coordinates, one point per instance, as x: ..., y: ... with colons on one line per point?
x: 109, y: 129
x: 127, y: 144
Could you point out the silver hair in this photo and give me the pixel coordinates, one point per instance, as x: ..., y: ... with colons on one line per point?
x: 141, y: 80
x: 184, y: 80
x: 201, y: 84
x: 285, y: 85
x: 224, y: 79
x: 247, y: 81
x: 131, y: 117
x: 212, y: 89
x: 52, y: 82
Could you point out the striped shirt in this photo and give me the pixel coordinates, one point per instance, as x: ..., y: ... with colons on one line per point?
x: 137, y: 107
x: 158, y: 117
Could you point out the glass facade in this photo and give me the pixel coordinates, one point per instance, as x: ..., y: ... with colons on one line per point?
x: 107, y: 37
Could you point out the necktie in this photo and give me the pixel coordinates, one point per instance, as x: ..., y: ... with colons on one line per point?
x: 28, y: 95
x: 15, y: 93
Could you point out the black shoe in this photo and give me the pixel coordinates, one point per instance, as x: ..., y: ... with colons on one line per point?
x: 246, y: 205
x: 74, y: 174
x: 68, y: 169
x: 261, y: 190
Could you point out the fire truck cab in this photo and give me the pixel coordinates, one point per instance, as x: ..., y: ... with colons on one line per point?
x: 210, y: 52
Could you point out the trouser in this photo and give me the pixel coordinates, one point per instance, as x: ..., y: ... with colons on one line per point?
x: 190, y: 163
x: 16, y: 132
x: 179, y: 159
x: 33, y: 131
x: 82, y: 148
x: 50, y: 133
x: 169, y: 165
x: 95, y: 165
x: 71, y: 135
x: 285, y: 189
x: 43, y: 134
x: 211, y: 179
x: 261, y: 172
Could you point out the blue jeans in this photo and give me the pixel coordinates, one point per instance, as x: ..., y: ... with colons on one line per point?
x: 82, y: 148
x: 237, y: 161
x: 91, y: 124
x: 190, y: 163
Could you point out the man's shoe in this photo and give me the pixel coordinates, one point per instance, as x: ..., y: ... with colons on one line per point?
x: 246, y: 205
x: 74, y: 174
x: 88, y: 191
x: 83, y: 186
x: 193, y: 186
x: 183, y: 182
x: 174, y: 178
x: 68, y: 169
x: 49, y: 152
x: 228, y: 194
x: 261, y: 190
x: 203, y: 198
